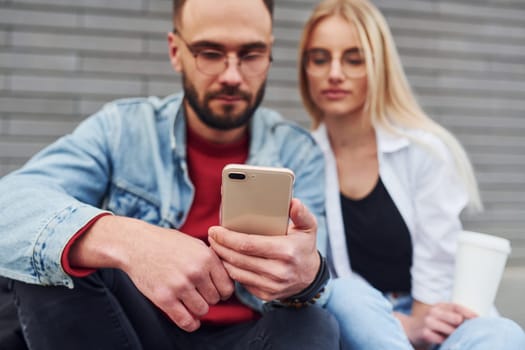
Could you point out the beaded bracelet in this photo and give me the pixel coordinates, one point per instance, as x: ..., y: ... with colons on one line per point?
x: 313, y: 292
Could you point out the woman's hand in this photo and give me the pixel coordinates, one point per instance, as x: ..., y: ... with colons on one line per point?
x: 432, y: 324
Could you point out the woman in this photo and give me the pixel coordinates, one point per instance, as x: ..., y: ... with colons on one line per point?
x: 396, y: 180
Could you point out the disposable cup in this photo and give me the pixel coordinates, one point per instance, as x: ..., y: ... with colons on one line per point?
x: 480, y: 261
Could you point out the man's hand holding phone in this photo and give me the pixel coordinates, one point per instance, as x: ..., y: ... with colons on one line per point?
x: 269, y: 266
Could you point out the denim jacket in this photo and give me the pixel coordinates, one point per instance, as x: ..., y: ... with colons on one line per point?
x: 130, y: 159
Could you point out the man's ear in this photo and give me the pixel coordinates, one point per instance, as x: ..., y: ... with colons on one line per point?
x: 174, y: 50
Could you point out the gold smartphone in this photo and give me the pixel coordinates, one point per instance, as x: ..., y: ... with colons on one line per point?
x: 256, y: 199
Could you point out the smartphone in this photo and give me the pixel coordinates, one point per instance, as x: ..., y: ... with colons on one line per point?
x: 256, y: 199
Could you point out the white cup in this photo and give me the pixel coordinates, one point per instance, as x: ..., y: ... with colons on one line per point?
x: 480, y: 261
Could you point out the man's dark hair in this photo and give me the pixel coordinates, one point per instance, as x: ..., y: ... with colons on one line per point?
x: 179, y: 4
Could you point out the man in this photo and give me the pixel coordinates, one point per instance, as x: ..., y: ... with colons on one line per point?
x: 104, y: 232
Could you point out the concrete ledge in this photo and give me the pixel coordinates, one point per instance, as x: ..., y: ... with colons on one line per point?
x: 511, y: 295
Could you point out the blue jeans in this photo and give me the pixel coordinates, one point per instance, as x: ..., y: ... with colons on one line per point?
x: 482, y: 333
x: 365, y: 317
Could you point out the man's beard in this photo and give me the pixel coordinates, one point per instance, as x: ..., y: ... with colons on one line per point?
x: 226, y: 120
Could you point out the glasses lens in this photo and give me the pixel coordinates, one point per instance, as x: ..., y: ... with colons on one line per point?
x: 214, y: 62
x: 318, y: 62
x: 353, y: 63
x: 255, y: 63
x: 210, y: 61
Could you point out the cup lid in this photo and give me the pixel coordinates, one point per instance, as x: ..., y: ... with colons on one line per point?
x: 485, y: 240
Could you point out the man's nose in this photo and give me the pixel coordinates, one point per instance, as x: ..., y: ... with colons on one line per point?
x: 232, y: 74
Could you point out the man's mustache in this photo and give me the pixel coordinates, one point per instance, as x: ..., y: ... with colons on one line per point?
x: 230, y: 91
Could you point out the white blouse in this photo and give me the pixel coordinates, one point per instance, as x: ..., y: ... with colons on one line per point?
x: 419, y: 174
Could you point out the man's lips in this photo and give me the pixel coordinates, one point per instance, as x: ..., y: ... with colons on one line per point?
x: 229, y: 98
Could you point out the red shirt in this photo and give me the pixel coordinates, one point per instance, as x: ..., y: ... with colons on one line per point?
x: 205, y: 163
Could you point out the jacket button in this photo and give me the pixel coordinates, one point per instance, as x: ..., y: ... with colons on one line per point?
x: 180, y: 214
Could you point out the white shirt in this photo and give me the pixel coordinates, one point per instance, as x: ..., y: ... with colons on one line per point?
x: 419, y: 174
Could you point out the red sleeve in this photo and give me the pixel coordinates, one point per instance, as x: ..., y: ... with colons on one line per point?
x: 64, y: 260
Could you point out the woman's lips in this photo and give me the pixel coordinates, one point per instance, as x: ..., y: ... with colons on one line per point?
x: 335, y: 94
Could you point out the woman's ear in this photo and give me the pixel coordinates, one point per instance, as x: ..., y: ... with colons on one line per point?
x: 173, y: 45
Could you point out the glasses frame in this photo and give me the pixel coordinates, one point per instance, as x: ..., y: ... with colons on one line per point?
x: 196, y: 53
x: 306, y: 60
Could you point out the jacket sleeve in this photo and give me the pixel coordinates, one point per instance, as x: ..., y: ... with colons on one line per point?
x: 439, y: 198
x: 53, y: 196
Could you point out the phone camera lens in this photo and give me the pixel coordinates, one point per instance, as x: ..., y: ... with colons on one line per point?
x: 237, y: 176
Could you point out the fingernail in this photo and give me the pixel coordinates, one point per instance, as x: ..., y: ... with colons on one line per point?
x: 213, y: 231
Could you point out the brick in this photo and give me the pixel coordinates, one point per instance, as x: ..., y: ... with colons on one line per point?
x: 478, y: 85
x: 20, y: 149
x: 75, y: 85
x: 38, y: 18
x: 64, y: 62
x: 512, y: 289
x: 3, y: 82
x: 147, y: 67
x: 87, y: 107
x: 36, y: 105
x: 291, y: 35
x: 282, y: 94
x: 501, y: 177
x: 163, y: 88
x: 296, y: 16
x: 462, y: 65
x: 3, y: 37
x: 492, y: 11
x: 75, y: 42
x: 163, y: 7
x: 282, y: 74
x: 7, y: 166
x: 445, y: 26
x: 135, y: 5
x: 517, y: 123
x: 157, y: 45
x: 3, y: 125
x: 126, y: 23
x: 465, y: 102
x: 285, y: 54
x: 455, y: 46
x: 51, y: 128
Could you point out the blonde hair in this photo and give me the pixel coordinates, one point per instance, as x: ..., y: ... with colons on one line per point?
x: 390, y: 101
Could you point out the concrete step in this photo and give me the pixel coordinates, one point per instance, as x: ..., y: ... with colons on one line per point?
x: 510, y: 299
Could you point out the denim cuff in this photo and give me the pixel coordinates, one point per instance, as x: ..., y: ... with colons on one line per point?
x: 52, y: 240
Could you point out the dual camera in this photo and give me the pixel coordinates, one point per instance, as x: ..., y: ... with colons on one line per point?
x: 237, y: 176
x: 241, y: 176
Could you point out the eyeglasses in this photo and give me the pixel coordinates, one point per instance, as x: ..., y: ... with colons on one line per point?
x: 213, y: 61
x: 318, y: 62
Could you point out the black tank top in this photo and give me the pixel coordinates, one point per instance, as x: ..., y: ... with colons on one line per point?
x: 378, y: 240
